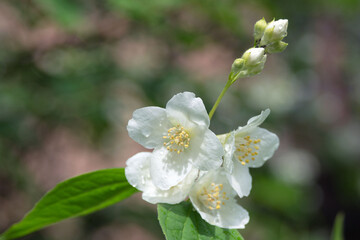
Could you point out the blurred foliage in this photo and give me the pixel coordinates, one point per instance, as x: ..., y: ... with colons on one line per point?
x: 337, y: 233
x: 85, y: 66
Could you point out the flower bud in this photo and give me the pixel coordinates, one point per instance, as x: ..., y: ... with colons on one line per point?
x: 253, y: 56
x: 237, y: 65
x: 236, y: 68
x: 257, y: 68
x: 276, y: 47
x: 274, y: 31
x: 259, y: 29
x: 251, y: 63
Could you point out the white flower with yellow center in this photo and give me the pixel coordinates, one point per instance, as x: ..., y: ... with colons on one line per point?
x: 217, y: 202
x: 248, y: 146
x: 137, y: 172
x: 180, y: 137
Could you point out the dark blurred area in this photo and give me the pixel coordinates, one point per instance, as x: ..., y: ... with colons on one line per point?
x: 73, y: 71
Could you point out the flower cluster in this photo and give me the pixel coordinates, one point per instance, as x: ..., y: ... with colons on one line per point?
x: 189, y: 160
x: 251, y: 63
x: 268, y: 39
x: 270, y: 35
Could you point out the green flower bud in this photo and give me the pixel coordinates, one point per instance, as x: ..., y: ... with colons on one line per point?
x: 276, y: 47
x: 259, y: 29
x: 237, y: 65
x: 236, y: 68
x: 274, y: 31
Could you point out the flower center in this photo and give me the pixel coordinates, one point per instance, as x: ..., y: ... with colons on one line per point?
x: 177, y: 139
x: 213, y: 196
x: 247, y: 149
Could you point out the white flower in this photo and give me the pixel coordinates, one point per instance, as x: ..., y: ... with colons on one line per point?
x: 248, y: 146
x: 180, y: 137
x: 137, y: 173
x: 217, y: 202
x: 274, y: 31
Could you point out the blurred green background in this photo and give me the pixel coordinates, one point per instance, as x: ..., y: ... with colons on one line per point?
x: 73, y: 71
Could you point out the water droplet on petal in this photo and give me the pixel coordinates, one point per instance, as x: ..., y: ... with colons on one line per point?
x: 146, y: 132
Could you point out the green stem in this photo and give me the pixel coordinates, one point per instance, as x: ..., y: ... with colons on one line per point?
x: 228, y: 84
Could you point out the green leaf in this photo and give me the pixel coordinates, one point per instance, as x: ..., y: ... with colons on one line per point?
x: 74, y: 197
x: 337, y: 232
x: 181, y: 221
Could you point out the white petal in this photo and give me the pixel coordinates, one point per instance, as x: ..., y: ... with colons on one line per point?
x: 148, y: 126
x: 187, y: 110
x: 137, y: 173
x: 168, y: 168
x: 230, y: 214
x: 233, y: 216
x: 267, y: 146
x: 137, y: 170
x: 237, y: 174
x: 229, y: 149
x: 175, y: 194
x: 209, y: 153
x: 240, y: 179
x: 255, y: 121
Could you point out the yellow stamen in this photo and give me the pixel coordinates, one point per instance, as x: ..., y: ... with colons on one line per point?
x: 213, y: 196
x: 177, y: 139
x: 246, y: 147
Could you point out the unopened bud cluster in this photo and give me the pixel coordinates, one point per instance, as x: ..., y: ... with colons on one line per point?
x: 268, y: 38
x: 251, y: 63
x: 270, y: 35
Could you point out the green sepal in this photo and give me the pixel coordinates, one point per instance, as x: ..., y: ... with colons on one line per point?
x: 276, y: 47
